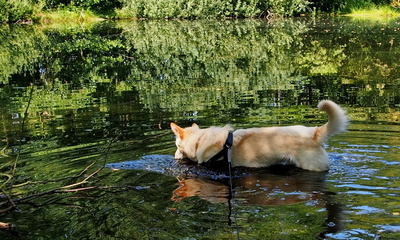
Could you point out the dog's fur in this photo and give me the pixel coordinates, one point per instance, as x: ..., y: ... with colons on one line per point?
x: 262, y: 147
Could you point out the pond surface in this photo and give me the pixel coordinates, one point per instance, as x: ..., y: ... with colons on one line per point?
x: 86, y: 150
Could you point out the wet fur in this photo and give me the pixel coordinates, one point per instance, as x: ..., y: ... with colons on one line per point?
x: 262, y: 147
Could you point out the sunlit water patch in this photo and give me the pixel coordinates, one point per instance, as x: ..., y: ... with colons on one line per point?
x: 366, y: 177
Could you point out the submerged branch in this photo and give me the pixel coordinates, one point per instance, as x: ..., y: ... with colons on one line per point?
x: 11, y: 177
x: 65, y: 189
x: 3, y: 151
x: 73, y: 188
x: 22, y: 132
x: 12, y: 203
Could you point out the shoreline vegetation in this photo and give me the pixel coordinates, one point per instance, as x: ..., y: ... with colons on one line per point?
x: 68, y: 15
x: 375, y: 12
x: 59, y: 11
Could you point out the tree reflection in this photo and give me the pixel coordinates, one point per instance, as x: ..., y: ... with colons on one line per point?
x: 247, y: 70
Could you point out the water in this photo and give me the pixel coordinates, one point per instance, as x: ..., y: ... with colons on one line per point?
x: 85, y: 113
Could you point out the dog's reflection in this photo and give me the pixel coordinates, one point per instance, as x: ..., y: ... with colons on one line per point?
x: 278, y: 185
x: 210, y: 190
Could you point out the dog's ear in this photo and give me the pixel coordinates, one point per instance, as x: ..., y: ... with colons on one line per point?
x: 195, y: 125
x: 178, y: 131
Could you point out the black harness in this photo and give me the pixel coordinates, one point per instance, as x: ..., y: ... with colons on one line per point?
x: 225, y: 153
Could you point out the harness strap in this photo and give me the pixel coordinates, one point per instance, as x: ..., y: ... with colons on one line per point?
x: 225, y: 152
x: 228, y: 146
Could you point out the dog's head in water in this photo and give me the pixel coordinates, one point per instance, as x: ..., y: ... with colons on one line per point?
x: 197, y: 144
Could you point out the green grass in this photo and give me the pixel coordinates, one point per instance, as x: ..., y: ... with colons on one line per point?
x: 68, y: 15
x: 375, y: 12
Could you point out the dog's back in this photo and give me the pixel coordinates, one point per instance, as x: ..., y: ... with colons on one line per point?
x: 298, y: 145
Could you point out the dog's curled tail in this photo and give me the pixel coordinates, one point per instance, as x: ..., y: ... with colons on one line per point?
x: 337, y: 123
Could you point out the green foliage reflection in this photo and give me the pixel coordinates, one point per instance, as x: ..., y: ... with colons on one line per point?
x: 20, y: 48
x: 180, y: 68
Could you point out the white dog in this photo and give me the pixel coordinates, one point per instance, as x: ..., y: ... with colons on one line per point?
x: 262, y: 147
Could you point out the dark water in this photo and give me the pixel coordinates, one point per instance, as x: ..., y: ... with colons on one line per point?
x: 77, y: 98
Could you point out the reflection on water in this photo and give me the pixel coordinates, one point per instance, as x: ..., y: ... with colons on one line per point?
x: 266, y: 187
x: 66, y: 92
x: 277, y: 185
